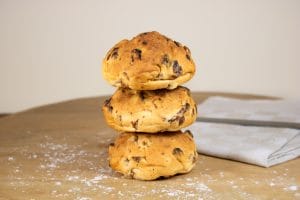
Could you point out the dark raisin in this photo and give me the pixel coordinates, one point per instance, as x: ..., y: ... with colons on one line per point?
x: 135, y: 124
x: 136, y: 158
x: 107, y: 102
x: 177, y: 43
x: 177, y: 151
x: 144, y: 43
x: 114, y: 53
x: 108, y: 105
x: 181, y: 120
x: 188, y: 57
x: 144, y: 143
x: 190, y: 133
x: 179, y: 115
x: 136, y: 54
x: 142, y: 95
x: 173, y: 119
x: 159, y: 92
x: 112, y: 144
x: 110, y: 108
x: 187, y: 106
x: 187, y: 50
x: 183, y: 109
x: 177, y: 68
x: 165, y: 59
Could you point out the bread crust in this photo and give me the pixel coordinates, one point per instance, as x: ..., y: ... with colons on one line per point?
x: 148, y: 61
x: 150, y: 111
x: 150, y: 156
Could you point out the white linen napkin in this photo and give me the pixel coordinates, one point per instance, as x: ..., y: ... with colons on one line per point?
x: 268, y: 110
x: 263, y: 146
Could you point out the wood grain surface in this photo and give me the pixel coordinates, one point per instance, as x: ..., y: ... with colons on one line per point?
x: 3, y: 114
x: 59, y: 151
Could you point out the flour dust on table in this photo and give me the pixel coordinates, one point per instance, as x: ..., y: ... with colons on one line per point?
x: 88, y: 175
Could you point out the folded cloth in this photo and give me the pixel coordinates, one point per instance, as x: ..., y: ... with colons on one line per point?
x: 263, y: 146
x: 264, y: 110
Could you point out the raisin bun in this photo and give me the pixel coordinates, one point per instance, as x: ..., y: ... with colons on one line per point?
x: 150, y: 111
x: 151, y: 156
x: 149, y: 61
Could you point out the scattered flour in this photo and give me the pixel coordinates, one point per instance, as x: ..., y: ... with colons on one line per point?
x: 291, y: 188
x: 58, y: 183
x: 10, y: 158
x: 91, y: 175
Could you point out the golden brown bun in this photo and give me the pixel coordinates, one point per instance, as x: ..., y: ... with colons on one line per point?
x: 150, y: 111
x: 149, y: 61
x: 151, y: 156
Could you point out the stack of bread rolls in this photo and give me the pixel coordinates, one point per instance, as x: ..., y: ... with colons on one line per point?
x: 149, y: 107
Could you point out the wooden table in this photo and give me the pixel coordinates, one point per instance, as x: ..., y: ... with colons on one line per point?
x: 59, y: 151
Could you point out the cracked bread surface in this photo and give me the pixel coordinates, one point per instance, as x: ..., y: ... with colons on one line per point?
x: 150, y: 111
x: 150, y: 156
x: 149, y: 61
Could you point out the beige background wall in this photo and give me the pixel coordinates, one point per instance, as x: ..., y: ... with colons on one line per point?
x: 52, y: 50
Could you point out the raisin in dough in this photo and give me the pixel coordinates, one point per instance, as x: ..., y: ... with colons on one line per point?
x: 149, y: 61
x: 150, y: 111
x: 150, y: 156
